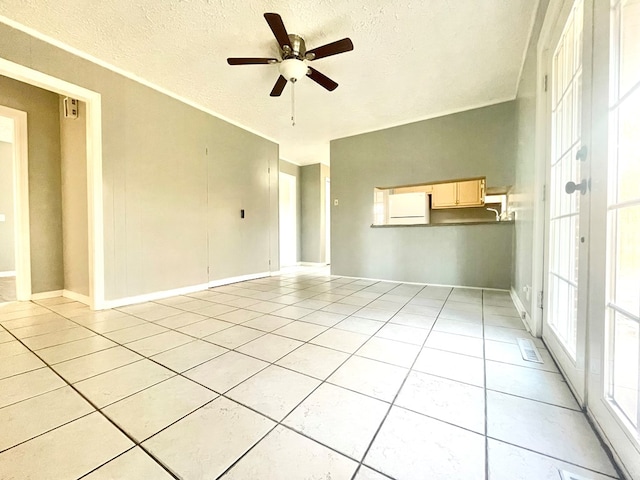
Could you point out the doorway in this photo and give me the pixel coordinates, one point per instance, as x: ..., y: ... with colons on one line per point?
x: 15, y: 263
x: 288, y: 220
x: 7, y: 220
x: 93, y: 122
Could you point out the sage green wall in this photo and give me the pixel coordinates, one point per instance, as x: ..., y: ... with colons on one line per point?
x: 294, y: 170
x: 75, y: 224
x: 479, y: 142
x: 7, y: 232
x: 174, y: 180
x: 45, y: 202
x: 523, y: 194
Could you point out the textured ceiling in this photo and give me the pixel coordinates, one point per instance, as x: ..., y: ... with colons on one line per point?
x: 413, y: 59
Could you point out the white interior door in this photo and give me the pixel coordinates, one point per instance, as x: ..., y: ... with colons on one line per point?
x: 288, y: 224
x: 567, y: 200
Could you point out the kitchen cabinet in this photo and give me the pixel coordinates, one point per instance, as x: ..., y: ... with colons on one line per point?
x: 467, y: 193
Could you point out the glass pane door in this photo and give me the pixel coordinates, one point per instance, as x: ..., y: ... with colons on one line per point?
x: 622, y: 346
x: 565, y: 192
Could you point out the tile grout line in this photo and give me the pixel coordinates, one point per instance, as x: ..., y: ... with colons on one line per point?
x: 484, y: 391
x: 280, y: 423
x: 129, y: 437
x: 384, y: 323
x: 392, y: 403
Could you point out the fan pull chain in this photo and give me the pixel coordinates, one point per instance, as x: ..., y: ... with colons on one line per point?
x: 293, y: 104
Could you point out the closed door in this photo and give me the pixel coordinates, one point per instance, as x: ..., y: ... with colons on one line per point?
x: 614, y: 286
x: 567, y: 200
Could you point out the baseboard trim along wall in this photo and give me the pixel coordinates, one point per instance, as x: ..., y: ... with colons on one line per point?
x: 44, y: 295
x: 524, y: 315
x: 241, y: 278
x: 11, y: 273
x: 312, y: 264
x: 423, y: 284
x: 150, y: 297
x: 77, y: 297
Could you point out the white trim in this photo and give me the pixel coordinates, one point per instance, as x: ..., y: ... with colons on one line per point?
x: 312, y: 264
x: 524, y: 315
x: 149, y: 297
x: 276, y: 273
x: 124, y: 73
x: 94, y: 170
x: 241, y: 278
x: 10, y: 273
x: 422, y: 284
x: 76, y: 297
x: 44, y: 295
x: 22, y: 236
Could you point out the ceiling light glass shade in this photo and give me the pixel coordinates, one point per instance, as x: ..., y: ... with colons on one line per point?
x: 293, y: 69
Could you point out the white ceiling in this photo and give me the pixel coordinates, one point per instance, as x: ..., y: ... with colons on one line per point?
x: 413, y: 59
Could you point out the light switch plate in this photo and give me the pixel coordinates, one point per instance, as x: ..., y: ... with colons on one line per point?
x: 3, y: 218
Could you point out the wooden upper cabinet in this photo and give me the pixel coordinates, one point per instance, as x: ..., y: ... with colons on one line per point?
x: 467, y: 193
x: 444, y: 195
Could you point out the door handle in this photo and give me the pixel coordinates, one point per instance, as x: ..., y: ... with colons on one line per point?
x: 572, y: 187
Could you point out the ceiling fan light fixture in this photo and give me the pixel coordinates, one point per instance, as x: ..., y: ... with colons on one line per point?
x: 293, y: 69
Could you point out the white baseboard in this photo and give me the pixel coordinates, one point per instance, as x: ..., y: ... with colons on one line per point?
x: 241, y: 278
x: 312, y: 264
x: 524, y: 315
x: 150, y: 297
x: 422, y: 284
x: 43, y: 295
x: 78, y: 297
x: 9, y: 273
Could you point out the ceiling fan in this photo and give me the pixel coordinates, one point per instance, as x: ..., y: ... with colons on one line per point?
x: 295, y: 56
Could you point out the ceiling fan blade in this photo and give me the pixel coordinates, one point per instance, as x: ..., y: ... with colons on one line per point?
x: 321, y: 79
x: 339, y: 46
x: 279, y: 86
x: 251, y: 61
x: 277, y: 27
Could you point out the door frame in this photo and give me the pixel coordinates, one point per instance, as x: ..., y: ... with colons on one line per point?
x: 94, y: 172
x: 22, y: 231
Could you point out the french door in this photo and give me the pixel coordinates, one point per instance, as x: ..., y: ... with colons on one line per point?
x: 567, y: 215
x: 592, y: 255
x: 614, y: 304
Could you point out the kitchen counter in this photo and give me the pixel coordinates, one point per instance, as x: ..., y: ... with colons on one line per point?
x: 451, y: 224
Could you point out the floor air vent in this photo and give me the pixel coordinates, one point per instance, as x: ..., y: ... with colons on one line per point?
x: 529, y: 351
x: 564, y: 475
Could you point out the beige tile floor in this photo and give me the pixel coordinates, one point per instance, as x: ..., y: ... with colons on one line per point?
x: 301, y: 376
